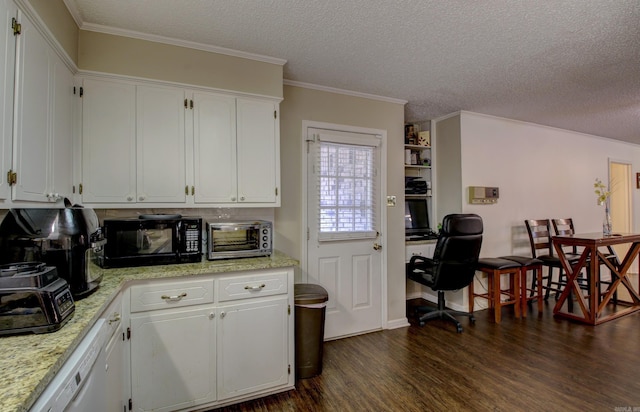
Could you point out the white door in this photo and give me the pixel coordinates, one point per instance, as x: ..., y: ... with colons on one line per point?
x: 258, y: 151
x: 343, y: 224
x: 214, y: 148
x: 160, y: 145
x: 253, y: 348
x: 108, y: 142
x: 173, y: 359
x: 31, y: 127
x: 62, y: 144
x: 8, y: 10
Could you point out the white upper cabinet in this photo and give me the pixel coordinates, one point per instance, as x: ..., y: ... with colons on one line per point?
x: 42, y: 84
x: 185, y: 148
x: 61, y: 177
x: 160, y: 137
x: 8, y: 11
x: 108, y: 142
x: 214, y: 143
x: 258, y: 152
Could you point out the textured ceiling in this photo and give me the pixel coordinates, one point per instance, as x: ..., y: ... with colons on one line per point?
x: 572, y: 64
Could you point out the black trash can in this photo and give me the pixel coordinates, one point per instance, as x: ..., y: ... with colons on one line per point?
x: 310, y: 306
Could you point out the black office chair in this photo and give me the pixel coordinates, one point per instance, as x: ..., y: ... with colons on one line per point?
x: 453, y: 265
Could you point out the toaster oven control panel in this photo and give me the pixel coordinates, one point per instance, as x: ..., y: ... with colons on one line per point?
x: 266, y: 239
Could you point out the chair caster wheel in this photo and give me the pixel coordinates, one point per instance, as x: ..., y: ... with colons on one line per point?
x: 421, y: 323
x: 472, y: 320
x: 459, y: 329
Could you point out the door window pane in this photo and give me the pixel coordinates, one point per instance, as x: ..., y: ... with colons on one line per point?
x: 346, y: 191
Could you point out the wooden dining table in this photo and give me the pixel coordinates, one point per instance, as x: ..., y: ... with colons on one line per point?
x: 595, y: 306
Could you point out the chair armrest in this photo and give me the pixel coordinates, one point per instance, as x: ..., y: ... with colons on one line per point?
x: 422, y: 261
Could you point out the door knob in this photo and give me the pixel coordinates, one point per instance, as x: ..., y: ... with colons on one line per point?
x: 377, y: 246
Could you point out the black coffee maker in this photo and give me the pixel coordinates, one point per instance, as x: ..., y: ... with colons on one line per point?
x: 64, y: 238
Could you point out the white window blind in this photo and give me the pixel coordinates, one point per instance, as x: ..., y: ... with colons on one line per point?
x: 346, y: 191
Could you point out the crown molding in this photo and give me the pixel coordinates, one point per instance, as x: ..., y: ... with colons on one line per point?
x: 181, y: 43
x: 342, y: 91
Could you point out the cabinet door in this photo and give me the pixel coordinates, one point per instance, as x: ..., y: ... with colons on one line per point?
x: 258, y: 151
x: 253, y: 347
x: 160, y: 140
x: 108, y: 142
x: 61, y: 178
x: 8, y: 10
x: 214, y: 142
x: 173, y: 359
x: 115, y: 367
x: 32, y: 103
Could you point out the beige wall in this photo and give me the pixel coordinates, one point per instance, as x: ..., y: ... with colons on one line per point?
x: 59, y: 21
x: 141, y: 58
x: 306, y: 104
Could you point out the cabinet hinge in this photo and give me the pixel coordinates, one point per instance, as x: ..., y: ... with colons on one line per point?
x: 17, y: 27
x: 130, y: 404
x: 275, y: 114
x: 73, y: 189
x: 289, y: 310
x: 289, y: 369
x: 128, y: 333
x: 186, y: 190
x: 12, y: 177
x: 80, y: 188
x: 276, y: 191
x: 308, y: 235
x: 81, y: 91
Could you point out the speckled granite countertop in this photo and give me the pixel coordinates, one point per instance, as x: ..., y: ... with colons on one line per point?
x: 29, y: 362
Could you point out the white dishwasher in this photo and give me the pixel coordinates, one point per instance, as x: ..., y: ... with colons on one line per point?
x: 80, y: 383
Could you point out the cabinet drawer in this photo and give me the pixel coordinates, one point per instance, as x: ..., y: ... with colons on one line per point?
x: 245, y: 287
x: 425, y: 250
x: 167, y: 295
x: 113, y: 314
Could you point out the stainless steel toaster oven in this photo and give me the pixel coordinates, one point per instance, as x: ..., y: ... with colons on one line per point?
x: 239, y: 239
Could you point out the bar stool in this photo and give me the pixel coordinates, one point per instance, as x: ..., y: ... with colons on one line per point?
x: 527, y: 264
x: 495, y: 268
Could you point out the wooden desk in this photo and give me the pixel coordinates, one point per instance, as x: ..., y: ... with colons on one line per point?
x: 595, y: 308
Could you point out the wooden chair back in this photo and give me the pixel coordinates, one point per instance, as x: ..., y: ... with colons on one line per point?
x: 539, y: 236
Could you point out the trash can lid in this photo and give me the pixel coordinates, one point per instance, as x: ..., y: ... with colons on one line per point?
x: 306, y: 293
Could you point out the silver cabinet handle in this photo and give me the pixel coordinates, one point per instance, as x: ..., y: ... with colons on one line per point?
x: 115, y: 318
x: 141, y: 198
x: 255, y: 287
x: 242, y: 199
x: 222, y: 315
x: 129, y: 198
x: 233, y: 199
x: 174, y: 298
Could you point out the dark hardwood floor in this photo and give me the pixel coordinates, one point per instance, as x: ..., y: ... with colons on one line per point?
x: 537, y: 363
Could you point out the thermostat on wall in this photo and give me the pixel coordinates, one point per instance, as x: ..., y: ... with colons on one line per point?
x: 480, y: 195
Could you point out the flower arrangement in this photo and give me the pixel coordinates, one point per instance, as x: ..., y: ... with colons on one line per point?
x: 601, y: 191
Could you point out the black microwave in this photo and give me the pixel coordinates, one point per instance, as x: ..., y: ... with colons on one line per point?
x: 151, y: 240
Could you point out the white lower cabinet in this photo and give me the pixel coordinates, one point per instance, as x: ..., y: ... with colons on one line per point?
x: 212, y: 340
x: 173, y: 359
x: 253, y: 347
x: 116, y: 362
